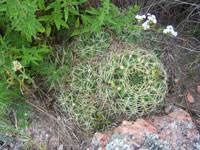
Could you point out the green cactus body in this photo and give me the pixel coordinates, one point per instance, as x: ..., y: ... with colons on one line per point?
x: 119, y: 83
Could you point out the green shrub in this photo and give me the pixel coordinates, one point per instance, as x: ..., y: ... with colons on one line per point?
x: 26, y: 25
x: 24, y: 30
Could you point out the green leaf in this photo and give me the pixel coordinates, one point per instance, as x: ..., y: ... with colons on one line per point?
x: 107, y: 6
x: 64, y: 24
x: 41, y: 4
x: 82, y: 1
x: 81, y: 31
x: 92, y: 11
x: 76, y: 32
x: 39, y: 27
x: 66, y: 13
x: 98, y: 30
x: 101, y: 18
x: 136, y: 7
x: 2, y: 8
x: 74, y: 2
x: 160, y: 30
x: 73, y: 11
x: 57, y: 22
x: 111, y: 21
x: 86, y: 29
x: 3, y: 119
x: 77, y: 24
x: 45, y: 18
x: 48, y: 30
x: 114, y: 7
x: 52, y: 5
x: 86, y: 19
x: 95, y: 26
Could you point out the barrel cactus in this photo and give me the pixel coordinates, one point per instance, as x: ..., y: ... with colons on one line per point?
x: 133, y: 82
x: 126, y: 82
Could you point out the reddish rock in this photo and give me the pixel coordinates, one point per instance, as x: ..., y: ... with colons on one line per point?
x: 134, y: 128
x: 198, y: 89
x: 176, y: 80
x: 190, y: 97
x: 102, y: 138
x: 174, y: 131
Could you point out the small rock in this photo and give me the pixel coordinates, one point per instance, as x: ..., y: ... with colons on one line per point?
x: 176, y: 80
x: 134, y: 128
x: 178, y: 133
x: 190, y: 97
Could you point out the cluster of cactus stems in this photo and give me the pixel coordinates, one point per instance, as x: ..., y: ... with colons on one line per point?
x: 129, y: 82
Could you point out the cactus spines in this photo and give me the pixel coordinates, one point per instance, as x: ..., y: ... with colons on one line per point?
x: 123, y: 82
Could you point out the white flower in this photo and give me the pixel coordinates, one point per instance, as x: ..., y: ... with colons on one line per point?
x: 118, y: 88
x: 146, y: 25
x: 140, y: 17
x: 169, y: 29
x: 152, y: 18
x: 174, y: 33
x: 165, y: 31
x: 17, y: 65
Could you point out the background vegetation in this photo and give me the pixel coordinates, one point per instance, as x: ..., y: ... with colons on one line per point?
x: 31, y: 30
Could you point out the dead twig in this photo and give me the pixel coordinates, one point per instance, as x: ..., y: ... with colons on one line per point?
x: 193, y: 110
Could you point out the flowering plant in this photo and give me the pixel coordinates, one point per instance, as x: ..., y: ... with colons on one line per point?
x: 170, y: 30
x: 151, y: 19
x: 17, y: 66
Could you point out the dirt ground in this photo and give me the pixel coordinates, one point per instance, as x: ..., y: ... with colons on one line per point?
x: 53, y: 129
x: 183, y: 66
